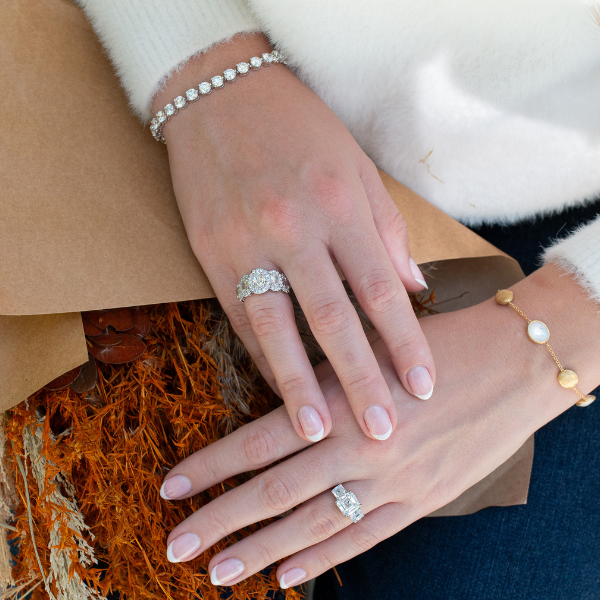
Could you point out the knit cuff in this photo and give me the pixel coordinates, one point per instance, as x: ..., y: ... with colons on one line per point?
x: 579, y: 254
x: 148, y: 39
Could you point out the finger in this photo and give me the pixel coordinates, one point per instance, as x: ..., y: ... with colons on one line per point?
x: 337, y: 327
x: 224, y: 282
x: 272, y: 318
x: 253, y: 446
x: 267, y: 495
x: 377, y: 526
x: 313, y: 522
x: 392, y: 230
x: 382, y: 296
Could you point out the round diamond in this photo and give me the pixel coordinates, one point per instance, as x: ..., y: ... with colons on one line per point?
x: 242, y: 68
x: 160, y: 115
x: 154, y: 122
x: 256, y: 62
x: 180, y: 102
x: 192, y: 95
x: 217, y: 81
x: 267, y: 59
x: 205, y: 88
x: 259, y: 281
x: 538, y: 332
x: 170, y: 110
x: 230, y: 74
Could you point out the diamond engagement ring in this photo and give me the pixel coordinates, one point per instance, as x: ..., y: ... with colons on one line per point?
x: 348, y: 503
x: 260, y: 281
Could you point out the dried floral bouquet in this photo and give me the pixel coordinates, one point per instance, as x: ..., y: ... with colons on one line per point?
x: 82, y: 461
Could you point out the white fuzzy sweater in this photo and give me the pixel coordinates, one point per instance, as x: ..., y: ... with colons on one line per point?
x: 490, y: 110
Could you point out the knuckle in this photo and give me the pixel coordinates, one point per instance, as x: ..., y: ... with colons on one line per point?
x: 329, y: 316
x: 320, y: 524
x: 220, y: 522
x: 278, y: 492
x: 336, y: 198
x: 280, y: 216
x: 259, y: 447
x: 292, y: 385
x: 264, y: 553
x: 239, y: 319
x: 266, y: 321
x: 409, y: 344
x: 324, y: 561
x: 209, y: 468
x: 397, y: 226
x: 363, y: 538
x: 361, y: 382
x: 440, y: 494
x: 378, y: 290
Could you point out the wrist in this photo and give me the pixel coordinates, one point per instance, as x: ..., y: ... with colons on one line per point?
x: 212, y: 62
x: 555, y: 298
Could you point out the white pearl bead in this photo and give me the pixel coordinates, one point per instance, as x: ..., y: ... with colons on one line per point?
x: 538, y: 332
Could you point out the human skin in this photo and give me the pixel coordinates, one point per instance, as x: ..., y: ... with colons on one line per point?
x: 494, y: 389
x: 266, y: 175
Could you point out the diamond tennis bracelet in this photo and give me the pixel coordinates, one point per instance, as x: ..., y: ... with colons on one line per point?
x: 206, y: 87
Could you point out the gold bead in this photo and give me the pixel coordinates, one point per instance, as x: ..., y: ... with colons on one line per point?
x: 568, y: 379
x: 504, y: 297
x: 586, y: 401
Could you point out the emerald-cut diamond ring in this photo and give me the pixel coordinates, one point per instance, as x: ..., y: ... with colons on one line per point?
x: 348, y: 503
x: 260, y: 281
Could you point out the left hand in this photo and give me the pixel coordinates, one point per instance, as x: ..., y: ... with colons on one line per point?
x: 495, y: 389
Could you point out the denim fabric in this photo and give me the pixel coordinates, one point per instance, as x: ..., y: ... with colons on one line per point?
x: 546, y: 550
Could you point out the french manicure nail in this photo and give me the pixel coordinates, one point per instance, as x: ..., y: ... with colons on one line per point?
x: 175, y: 487
x: 378, y: 422
x: 182, y: 547
x: 416, y: 272
x: 311, y: 423
x: 292, y: 577
x: 420, y: 382
x: 226, y: 571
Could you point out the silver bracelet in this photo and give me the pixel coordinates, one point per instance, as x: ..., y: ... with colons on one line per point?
x: 206, y: 87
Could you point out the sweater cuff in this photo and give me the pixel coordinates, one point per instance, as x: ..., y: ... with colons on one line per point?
x: 579, y: 255
x: 148, y: 39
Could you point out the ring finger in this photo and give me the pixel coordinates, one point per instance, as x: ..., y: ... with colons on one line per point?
x: 266, y: 324
x: 267, y: 495
x: 315, y: 521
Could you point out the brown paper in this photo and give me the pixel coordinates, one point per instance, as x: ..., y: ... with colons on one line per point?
x: 89, y: 221
x: 34, y: 350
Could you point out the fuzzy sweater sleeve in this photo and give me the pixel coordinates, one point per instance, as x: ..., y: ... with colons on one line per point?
x: 148, y: 39
x: 579, y: 254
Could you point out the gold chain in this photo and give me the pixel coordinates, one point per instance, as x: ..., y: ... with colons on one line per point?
x: 566, y: 377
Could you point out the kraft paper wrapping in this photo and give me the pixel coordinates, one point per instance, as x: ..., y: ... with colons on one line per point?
x: 88, y: 218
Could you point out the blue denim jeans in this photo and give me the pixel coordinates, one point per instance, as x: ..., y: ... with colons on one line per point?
x: 548, y: 549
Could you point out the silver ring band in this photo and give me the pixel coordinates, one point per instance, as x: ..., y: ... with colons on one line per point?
x: 348, y: 503
x: 260, y: 281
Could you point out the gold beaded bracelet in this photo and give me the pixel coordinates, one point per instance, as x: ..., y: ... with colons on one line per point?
x: 539, y: 333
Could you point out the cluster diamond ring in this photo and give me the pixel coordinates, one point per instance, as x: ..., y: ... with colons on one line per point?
x: 260, y: 281
x: 348, y: 503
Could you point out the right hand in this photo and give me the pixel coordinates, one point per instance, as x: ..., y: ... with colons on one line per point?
x: 267, y: 176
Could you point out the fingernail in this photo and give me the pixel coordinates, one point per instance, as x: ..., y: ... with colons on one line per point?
x: 420, y: 382
x: 182, y: 547
x: 292, y: 577
x: 311, y: 423
x: 175, y: 487
x: 417, y: 273
x: 226, y: 571
x: 378, y: 422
